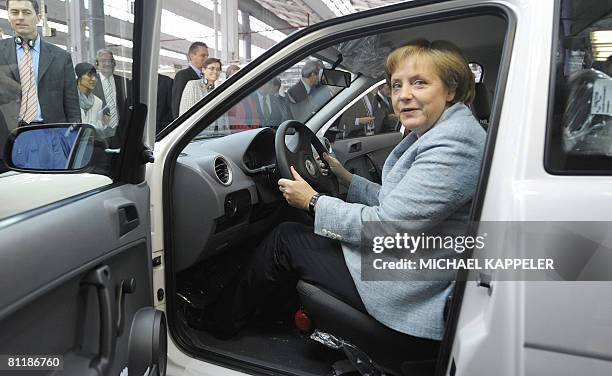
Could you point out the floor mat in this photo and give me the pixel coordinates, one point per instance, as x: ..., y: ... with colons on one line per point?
x: 277, y: 346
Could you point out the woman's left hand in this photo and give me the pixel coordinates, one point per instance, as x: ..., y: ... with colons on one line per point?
x: 297, y: 192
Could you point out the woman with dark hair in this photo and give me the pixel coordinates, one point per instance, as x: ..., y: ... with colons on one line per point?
x: 430, y: 177
x: 92, y: 111
x: 198, y: 89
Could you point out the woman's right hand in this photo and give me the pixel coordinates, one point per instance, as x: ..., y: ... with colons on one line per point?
x: 344, y: 177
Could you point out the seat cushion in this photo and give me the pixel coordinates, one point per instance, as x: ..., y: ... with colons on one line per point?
x: 385, y: 346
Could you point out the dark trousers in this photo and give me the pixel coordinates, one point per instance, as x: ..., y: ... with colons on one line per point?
x: 290, y: 253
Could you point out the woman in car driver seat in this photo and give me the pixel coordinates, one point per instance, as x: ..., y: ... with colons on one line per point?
x: 430, y: 176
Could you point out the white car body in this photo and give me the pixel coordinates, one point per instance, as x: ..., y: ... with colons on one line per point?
x: 21, y: 192
x: 511, y: 329
x: 496, y: 332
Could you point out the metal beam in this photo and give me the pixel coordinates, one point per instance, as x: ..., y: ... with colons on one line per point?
x: 95, y: 23
x: 320, y: 9
x: 229, y: 31
x: 204, y: 16
x: 56, y: 12
x: 256, y: 10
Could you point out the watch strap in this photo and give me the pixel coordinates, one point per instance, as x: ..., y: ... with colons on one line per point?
x: 313, y: 202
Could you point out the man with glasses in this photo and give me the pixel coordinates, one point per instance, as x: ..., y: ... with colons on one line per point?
x: 114, y: 90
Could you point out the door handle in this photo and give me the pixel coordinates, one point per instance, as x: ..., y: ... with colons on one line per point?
x: 353, y: 148
x: 128, y: 218
x: 101, y: 279
x: 127, y: 286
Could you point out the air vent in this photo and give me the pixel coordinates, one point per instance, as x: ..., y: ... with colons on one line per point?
x: 223, y: 171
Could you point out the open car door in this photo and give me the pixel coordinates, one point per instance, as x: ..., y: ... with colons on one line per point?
x: 75, y: 249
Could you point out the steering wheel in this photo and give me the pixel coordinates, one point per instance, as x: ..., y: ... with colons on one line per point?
x: 302, y: 158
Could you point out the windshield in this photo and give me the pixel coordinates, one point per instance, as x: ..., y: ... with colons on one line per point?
x: 296, y: 93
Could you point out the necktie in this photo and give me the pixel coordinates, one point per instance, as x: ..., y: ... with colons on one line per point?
x: 29, y: 101
x: 266, y: 108
x: 367, y: 105
x: 111, y: 102
x: 369, y: 127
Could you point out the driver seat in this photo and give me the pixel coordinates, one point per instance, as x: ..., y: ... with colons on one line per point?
x: 371, y: 347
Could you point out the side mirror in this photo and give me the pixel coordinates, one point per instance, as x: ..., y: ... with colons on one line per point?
x: 335, y: 77
x: 51, y: 147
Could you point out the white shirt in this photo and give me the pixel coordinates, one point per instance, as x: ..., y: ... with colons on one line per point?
x: 262, y: 102
x: 369, y: 108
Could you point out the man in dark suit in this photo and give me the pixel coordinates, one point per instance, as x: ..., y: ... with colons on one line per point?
x: 197, y: 54
x: 164, y: 102
x: 282, y: 100
x: 307, y: 95
x: 371, y: 114
x: 385, y: 119
x: 358, y: 120
x: 114, y: 90
x: 269, y: 107
x: 44, y: 71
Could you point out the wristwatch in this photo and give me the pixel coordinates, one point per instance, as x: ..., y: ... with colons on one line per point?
x: 313, y: 202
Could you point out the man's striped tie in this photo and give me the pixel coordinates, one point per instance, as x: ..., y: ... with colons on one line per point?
x: 29, y: 100
x: 111, y: 102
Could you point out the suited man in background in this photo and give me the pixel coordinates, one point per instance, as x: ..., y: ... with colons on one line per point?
x: 372, y: 114
x: 44, y: 71
x: 269, y: 106
x: 385, y: 119
x: 114, y: 90
x: 358, y: 120
x: 275, y: 92
x: 197, y: 54
x: 307, y: 95
x: 164, y: 102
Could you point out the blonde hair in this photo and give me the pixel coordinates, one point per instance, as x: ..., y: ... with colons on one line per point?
x: 448, y: 61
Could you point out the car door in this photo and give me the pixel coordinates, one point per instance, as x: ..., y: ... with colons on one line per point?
x: 173, y: 140
x: 550, y: 166
x: 363, y: 134
x: 75, y: 248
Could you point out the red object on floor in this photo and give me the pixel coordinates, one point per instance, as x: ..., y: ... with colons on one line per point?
x: 302, y: 321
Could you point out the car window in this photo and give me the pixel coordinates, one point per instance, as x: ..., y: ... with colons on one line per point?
x: 580, y: 123
x: 69, y: 62
x: 66, y: 63
x: 370, y: 115
x: 296, y: 93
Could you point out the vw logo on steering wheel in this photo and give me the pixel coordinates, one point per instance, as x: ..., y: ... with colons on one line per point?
x: 310, y: 167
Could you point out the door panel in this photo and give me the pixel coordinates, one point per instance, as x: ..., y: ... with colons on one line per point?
x: 365, y: 156
x: 47, y: 308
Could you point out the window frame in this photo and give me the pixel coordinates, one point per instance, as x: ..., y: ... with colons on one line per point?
x: 572, y: 165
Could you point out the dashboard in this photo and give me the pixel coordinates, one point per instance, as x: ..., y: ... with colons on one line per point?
x: 224, y: 190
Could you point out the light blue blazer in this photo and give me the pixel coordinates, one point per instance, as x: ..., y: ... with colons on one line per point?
x: 431, y: 178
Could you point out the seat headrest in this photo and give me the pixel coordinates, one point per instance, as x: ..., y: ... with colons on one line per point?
x: 481, y: 107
